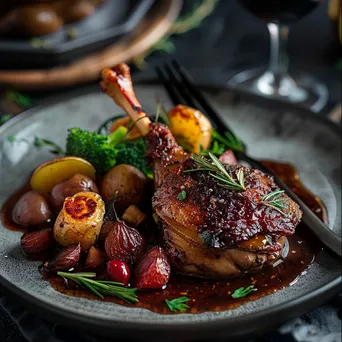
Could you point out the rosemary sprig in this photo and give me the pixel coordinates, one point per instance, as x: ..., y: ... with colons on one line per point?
x: 177, y: 304
x: 101, y: 288
x: 218, y: 171
x: 242, y: 292
x: 274, y: 200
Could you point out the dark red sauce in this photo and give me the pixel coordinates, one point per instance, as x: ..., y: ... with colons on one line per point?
x: 215, y: 295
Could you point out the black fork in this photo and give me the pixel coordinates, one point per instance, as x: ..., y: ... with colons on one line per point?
x: 181, y: 89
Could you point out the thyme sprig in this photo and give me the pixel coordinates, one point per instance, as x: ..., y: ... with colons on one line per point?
x: 101, y: 288
x: 218, y: 171
x: 274, y: 200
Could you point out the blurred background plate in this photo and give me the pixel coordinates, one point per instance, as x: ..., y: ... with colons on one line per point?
x: 109, y: 21
x: 148, y: 32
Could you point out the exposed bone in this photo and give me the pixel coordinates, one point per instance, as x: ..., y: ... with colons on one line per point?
x: 117, y: 83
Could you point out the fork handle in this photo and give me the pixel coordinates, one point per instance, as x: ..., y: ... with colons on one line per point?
x: 330, y: 239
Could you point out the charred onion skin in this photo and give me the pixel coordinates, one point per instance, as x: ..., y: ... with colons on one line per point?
x: 80, y: 220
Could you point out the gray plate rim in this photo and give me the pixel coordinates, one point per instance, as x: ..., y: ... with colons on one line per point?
x: 256, y: 321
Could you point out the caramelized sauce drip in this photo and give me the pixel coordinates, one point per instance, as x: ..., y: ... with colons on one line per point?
x: 215, y: 295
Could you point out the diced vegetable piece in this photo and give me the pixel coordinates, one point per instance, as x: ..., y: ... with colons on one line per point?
x: 55, y: 171
x: 95, y: 258
x: 133, y: 216
x: 190, y: 127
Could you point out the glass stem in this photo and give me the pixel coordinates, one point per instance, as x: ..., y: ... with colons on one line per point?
x: 278, y: 64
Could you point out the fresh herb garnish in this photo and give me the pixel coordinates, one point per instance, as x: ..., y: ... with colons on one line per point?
x: 41, y: 142
x: 182, y: 195
x: 19, y: 98
x: 177, y: 304
x: 215, y: 148
x: 101, y: 288
x: 274, y: 200
x: 218, y: 171
x: 229, y: 140
x: 242, y: 292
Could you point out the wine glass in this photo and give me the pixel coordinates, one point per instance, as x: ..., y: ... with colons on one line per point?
x: 276, y: 82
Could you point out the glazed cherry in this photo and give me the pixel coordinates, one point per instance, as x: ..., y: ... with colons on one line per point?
x: 118, y: 271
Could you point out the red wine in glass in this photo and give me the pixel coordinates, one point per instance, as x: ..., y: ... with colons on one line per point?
x: 276, y: 82
x: 280, y: 11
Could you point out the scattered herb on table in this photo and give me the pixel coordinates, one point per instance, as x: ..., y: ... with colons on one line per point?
x: 101, y: 288
x: 242, y: 292
x: 177, y: 304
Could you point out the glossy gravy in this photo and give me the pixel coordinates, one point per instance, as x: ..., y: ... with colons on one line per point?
x: 213, y: 295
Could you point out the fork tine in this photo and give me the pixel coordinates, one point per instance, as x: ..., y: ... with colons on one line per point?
x: 179, y: 86
x: 187, y: 79
x: 176, y: 99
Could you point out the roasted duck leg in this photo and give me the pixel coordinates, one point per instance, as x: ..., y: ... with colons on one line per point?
x: 211, y: 231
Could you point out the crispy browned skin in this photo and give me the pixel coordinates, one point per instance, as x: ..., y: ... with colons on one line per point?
x: 214, y: 232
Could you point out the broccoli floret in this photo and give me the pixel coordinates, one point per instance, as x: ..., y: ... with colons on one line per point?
x: 133, y: 153
x: 99, y: 150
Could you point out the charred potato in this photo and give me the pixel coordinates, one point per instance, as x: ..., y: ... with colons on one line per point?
x: 80, y: 220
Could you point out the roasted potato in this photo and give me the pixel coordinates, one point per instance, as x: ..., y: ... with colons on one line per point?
x: 55, y: 171
x: 80, y: 220
x: 127, y: 183
x: 77, y: 183
x: 190, y: 127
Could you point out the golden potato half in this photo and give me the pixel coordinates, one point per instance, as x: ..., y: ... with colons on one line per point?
x: 55, y: 171
x: 190, y: 127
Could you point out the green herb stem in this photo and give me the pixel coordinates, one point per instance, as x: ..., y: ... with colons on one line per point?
x: 102, y: 288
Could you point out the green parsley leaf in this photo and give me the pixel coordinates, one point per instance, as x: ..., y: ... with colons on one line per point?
x: 242, y: 292
x: 182, y: 195
x: 177, y: 304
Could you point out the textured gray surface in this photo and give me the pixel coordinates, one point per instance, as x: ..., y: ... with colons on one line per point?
x: 314, y: 148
